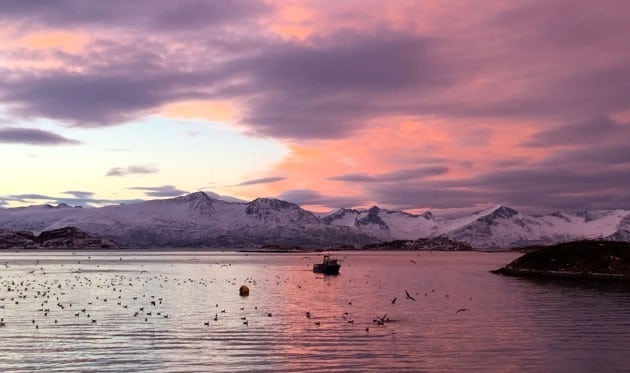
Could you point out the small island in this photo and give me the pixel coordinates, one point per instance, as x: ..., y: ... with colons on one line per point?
x: 67, y: 238
x: 584, y: 260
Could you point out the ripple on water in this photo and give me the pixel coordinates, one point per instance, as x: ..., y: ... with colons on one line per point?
x: 510, y: 324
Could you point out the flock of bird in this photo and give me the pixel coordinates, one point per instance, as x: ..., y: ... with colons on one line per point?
x: 86, y: 294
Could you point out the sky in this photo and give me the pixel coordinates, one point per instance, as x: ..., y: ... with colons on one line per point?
x: 415, y: 105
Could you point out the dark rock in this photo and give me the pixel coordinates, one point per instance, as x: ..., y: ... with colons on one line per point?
x: 339, y: 214
x: 372, y: 218
x: 68, y: 238
x: 598, y: 260
x: 60, y: 234
x: 19, y: 240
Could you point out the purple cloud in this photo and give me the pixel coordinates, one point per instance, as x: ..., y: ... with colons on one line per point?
x: 152, y: 15
x: 160, y: 191
x: 80, y: 199
x: 132, y: 170
x: 33, y: 136
x: 290, y: 90
x: 398, y: 175
x: 312, y: 197
x: 329, y: 88
x: 582, y: 182
x: 79, y: 193
x: 580, y: 133
x: 264, y: 180
x: 91, y: 99
x: 27, y: 196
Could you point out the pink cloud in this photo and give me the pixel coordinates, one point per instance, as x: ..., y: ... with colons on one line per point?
x: 434, y: 95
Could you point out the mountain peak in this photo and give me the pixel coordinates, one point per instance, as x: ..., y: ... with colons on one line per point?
x: 198, y: 202
x: 372, y: 217
x: 270, y: 203
x: 193, y: 197
x: 504, y: 212
x: 339, y: 214
x: 498, y: 212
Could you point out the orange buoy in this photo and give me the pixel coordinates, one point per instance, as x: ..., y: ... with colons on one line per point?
x: 243, y: 291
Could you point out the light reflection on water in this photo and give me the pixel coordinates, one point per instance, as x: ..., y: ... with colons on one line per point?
x: 509, y: 324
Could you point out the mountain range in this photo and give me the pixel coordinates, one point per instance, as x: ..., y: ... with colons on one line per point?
x: 198, y: 220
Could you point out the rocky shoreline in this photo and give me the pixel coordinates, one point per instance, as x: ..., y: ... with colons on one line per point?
x: 68, y: 238
x: 580, y: 260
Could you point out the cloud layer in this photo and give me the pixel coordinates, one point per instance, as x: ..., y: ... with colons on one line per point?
x: 264, y: 180
x: 132, y: 170
x: 160, y: 191
x: 32, y: 136
x: 523, y: 103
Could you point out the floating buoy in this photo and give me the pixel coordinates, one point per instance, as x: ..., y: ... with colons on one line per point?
x: 243, y: 291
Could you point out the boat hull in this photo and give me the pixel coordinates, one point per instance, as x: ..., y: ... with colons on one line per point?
x: 330, y: 269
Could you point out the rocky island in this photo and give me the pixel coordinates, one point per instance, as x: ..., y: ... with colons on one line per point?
x: 586, y: 260
x: 68, y: 238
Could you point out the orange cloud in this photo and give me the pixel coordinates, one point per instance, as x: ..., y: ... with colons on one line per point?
x: 35, y: 50
x: 393, y: 144
x: 214, y: 111
x: 292, y: 20
x: 53, y: 39
x: 303, y: 18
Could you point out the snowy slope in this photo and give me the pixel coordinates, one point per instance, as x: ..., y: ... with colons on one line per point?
x: 622, y: 231
x: 385, y: 224
x: 499, y: 230
x: 199, y: 220
x: 495, y: 227
x: 191, y: 220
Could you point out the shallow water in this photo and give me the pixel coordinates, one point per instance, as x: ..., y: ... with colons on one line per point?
x: 509, y: 324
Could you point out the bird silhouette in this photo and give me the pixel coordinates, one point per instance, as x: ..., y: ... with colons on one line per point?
x: 380, y: 320
x: 409, y: 296
x: 394, y: 301
x: 461, y: 310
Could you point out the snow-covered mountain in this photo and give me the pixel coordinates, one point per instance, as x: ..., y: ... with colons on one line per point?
x: 385, y: 225
x: 197, y: 220
x: 496, y: 227
x: 192, y: 220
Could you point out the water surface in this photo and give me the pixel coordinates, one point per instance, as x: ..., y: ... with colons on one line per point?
x: 503, y: 324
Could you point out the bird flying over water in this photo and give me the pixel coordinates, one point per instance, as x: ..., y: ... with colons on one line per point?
x: 409, y: 296
x: 461, y: 310
x: 394, y: 301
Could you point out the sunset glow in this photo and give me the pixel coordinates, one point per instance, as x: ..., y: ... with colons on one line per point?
x: 409, y: 105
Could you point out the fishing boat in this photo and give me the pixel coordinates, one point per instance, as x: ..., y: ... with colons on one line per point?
x: 329, y: 266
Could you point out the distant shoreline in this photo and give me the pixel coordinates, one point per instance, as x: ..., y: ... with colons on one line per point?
x: 236, y: 250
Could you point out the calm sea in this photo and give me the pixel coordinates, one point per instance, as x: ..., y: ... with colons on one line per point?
x: 181, y: 311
